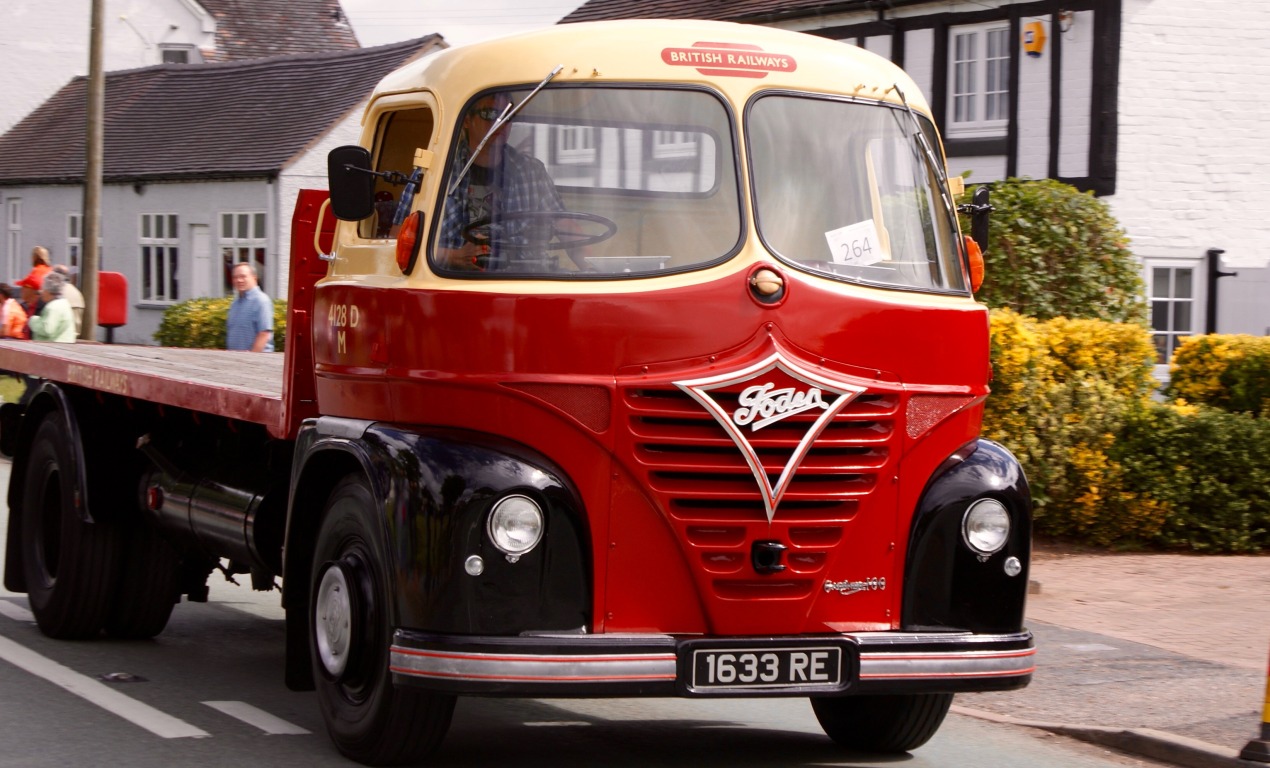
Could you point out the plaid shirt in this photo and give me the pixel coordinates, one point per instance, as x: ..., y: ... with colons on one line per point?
x: 521, y: 183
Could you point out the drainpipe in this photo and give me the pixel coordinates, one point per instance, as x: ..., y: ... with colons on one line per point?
x: 1214, y: 272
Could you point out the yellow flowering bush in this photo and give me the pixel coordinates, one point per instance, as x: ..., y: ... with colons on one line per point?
x: 1107, y: 464
x: 1059, y: 391
x: 1230, y: 372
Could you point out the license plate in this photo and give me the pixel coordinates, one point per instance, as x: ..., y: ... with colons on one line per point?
x: 799, y: 667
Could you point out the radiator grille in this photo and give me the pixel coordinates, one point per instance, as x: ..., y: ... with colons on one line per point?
x: 710, y: 494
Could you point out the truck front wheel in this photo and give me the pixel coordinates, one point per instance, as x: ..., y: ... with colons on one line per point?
x: 898, y: 723
x: 69, y: 564
x: 350, y: 630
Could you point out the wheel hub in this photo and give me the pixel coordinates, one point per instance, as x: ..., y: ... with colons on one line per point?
x: 333, y: 619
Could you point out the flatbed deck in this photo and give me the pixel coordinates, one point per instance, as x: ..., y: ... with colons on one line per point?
x: 238, y: 385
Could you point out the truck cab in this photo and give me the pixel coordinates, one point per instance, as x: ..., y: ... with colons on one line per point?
x: 661, y: 342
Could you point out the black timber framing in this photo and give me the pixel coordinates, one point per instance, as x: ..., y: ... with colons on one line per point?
x: 1104, y: 71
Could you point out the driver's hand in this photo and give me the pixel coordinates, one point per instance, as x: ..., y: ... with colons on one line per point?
x: 466, y: 257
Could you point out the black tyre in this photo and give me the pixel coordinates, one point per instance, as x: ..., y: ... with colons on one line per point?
x: 882, y: 723
x: 69, y: 564
x: 148, y: 587
x: 350, y: 630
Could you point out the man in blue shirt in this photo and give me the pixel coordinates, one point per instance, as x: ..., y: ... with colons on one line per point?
x: 249, y: 325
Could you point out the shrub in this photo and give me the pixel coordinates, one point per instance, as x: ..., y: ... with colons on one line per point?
x: 1061, y: 389
x: 1227, y: 372
x: 200, y: 324
x: 1110, y: 466
x: 1054, y: 251
x: 1208, y: 469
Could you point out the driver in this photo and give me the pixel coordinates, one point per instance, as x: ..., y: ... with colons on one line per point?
x: 501, y: 180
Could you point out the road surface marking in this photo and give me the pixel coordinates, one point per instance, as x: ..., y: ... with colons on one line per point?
x: 241, y: 710
x: 15, y: 611
x: 143, y: 715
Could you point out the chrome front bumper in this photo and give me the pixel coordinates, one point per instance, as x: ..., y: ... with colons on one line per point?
x: 659, y: 665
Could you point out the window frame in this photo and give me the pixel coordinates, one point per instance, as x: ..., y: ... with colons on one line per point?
x: 233, y: 247
x: 1195, y: 301
x: 156, y: 252
x: 13, y: 233
x: 977, y: 125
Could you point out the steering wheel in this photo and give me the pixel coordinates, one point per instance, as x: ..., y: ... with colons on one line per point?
x: 538, y: 230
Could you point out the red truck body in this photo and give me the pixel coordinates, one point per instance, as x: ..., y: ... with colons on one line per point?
x: 750, y: 473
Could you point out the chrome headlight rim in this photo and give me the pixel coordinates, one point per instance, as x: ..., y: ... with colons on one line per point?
x: 511, y: 511
x: 975, y: 514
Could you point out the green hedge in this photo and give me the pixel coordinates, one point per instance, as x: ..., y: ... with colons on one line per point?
x: 1227, y: 372
x: 200, y: 324
x: 1054, y: 251
x: 1109, y: 465
x: 1208, y: 469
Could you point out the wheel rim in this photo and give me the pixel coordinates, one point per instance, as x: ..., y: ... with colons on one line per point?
x: 333, y: 619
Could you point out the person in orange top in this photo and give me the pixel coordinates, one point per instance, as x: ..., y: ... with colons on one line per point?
x: 12, y: 315
x: 34, y: 280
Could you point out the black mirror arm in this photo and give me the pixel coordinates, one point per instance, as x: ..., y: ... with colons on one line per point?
x: 392, y: 177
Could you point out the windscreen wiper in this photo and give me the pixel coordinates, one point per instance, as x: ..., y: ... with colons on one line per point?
x: 929, y: 153
x: 508, y: 113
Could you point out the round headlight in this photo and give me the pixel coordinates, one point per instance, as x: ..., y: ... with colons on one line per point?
x: 515, y: 525
x: 986, y: 526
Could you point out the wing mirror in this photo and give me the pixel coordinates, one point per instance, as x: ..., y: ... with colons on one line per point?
x: 351, y: 181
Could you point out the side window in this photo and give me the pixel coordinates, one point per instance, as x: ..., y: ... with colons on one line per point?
x: 978, y: 80
x: 160, y: 257
x: 1175, y: 310
x: 74, y: 239
x: 243, y: 239
x: 398, y: 135
x: 13, y: 235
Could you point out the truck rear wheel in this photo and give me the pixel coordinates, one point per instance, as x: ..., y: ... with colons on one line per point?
x: 148, y: 586
x: 69, y: 564
x: 898, y: 723
x: 369, y: 719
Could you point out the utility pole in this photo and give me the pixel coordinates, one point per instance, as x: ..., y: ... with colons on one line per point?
x: 93, y: 143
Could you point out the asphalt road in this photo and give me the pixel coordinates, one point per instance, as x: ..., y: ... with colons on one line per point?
x: 209, y: 691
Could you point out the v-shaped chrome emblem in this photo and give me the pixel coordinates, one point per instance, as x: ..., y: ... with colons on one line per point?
x: 762, y: 400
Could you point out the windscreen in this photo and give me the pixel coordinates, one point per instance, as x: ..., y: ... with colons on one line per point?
x: 589, y: 183
x: 844, y: 189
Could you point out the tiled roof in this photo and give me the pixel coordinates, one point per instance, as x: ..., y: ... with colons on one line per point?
x: 717, y: 10
x: 181, y: 121
x: 254, y: 29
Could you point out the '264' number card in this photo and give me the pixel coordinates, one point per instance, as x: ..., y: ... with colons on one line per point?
x: 855, y: 244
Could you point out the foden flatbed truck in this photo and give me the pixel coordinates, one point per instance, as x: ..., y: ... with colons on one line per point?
x: 634, y: 359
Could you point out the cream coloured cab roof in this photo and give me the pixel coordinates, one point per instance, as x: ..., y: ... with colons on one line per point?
x: 737, y: 59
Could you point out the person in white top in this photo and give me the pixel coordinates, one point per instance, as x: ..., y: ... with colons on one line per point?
x: 72, y: 295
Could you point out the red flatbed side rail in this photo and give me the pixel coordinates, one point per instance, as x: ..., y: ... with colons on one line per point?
x: 236, y: 385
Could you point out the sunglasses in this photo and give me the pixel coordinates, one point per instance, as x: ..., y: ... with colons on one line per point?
x: 488, y: 113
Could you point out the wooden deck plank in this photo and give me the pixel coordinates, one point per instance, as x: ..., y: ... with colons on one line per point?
x: 237, y: 385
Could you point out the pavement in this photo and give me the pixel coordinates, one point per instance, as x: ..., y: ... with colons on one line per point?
x: 1164, y: 656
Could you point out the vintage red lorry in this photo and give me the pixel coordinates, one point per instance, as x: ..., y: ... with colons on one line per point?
x: 698, y: 415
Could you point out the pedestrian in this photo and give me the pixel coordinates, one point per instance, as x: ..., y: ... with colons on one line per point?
x: 12, y: 315
x: 249, y: 325
x: 34, y: 279
x: 72, y: 295
x: 56, y: 320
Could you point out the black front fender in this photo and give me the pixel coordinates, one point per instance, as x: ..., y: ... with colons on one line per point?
x: 946, y: 584
x: 434, y: 491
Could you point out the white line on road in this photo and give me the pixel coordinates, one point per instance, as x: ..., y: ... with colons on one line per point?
x: 143, y: 715
x: 15, y: 611
x: 241, y: 710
